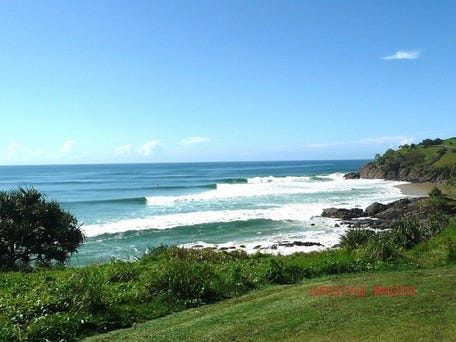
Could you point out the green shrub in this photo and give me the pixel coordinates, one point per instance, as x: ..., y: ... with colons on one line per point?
x: 281, y: 273
x: 436, y: 223
x: 355, y: 238
x: 88, y: 290
x: 240, y: 282
x: 407, y: 232
x: 382, y: 248
x: 55, y: 327
x: 186, y: 282
x: 122, y: 271
x: 451, y: 251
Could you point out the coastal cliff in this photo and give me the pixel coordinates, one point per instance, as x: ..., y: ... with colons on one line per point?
x: 429, y: 161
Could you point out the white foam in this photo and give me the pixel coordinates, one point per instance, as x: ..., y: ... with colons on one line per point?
x: 287, y: 212
x: 326, y: 235
x: 337, y: 189
x: 268, y: 186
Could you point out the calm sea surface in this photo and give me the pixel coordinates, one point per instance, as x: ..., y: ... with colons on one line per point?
x: 128, y: 208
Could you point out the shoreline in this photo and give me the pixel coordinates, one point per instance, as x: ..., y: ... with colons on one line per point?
x: 423, y: 189
x: 417, y: 189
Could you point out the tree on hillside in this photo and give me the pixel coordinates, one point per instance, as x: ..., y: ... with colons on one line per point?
x: 34, y: 231
x: 430, y: 142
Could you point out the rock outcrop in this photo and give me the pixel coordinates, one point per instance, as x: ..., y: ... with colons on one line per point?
x: 373, y: 170
x: 352, y: 175
x: 380, y: 216
x: 341, y: 213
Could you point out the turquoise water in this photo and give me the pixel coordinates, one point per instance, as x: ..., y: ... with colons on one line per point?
x: 128, y: 208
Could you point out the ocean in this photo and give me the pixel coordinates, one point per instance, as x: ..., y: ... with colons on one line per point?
x: 126, y: 209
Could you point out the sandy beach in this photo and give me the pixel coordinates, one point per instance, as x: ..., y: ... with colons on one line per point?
x: 417, y: 189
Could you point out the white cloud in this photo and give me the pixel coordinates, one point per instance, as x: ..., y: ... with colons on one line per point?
x: 16, y: 150
x: 13, y: 149
x: 397, y: 139
x: 67, y: 147
x: 124, y: 150
x: 194, y: 140
x: 394, y: 140
x: 407, y: 141
x: 403, y: 55
x: 148, y: 148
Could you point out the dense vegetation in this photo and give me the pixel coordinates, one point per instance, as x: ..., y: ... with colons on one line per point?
x: 67, y: 304
x: 34, y: 231
x: 428, y: 161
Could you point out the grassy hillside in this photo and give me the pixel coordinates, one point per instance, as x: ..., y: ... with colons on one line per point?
x: 428, y: 161
x: 434, y: 153
x: 291, y: 313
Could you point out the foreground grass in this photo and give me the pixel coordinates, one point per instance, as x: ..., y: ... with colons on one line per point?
x: 291, y: 313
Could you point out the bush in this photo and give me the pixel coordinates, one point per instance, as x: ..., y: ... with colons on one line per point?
x: 382, y: 247
x: 34, y: 231
x: 186, y: 282
x: 88, y: 290
x: 355, y: 238
x: 436, y: 223
x: 407, y: 232
x: 280, y: 273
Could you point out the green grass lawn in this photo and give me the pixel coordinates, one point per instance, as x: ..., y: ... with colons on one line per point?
x: 290, y: 313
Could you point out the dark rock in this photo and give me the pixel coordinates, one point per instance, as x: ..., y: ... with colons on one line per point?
x: 372, y: 171
x: 286, y: 244
x: 299, y: 243
x: 352, y: 175
x: 374, y: 209
x: 306, y: 244
x: 336, y: 226
x: 198, y: 246
x: 274, y: 247
x: 312, y: 224
x: 257, y: 246
x: 404, y: 207
x: 380, y: 216
x: 241, y: 246
x: 341, y: 213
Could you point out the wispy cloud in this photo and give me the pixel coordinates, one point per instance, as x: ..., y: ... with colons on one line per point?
x: 414, y: 54
x: 396, y: 139
x: 392, y: 140
x: 18, y: 150
x: 148, y: 148
x: 67, y: 147
x: 13, y: 149
x: 195, y: 140
x: 124, y: 150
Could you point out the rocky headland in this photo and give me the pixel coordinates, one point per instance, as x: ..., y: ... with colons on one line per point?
x: 429, y: 161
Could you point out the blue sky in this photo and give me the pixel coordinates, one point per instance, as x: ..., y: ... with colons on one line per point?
x: 171, y: 81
